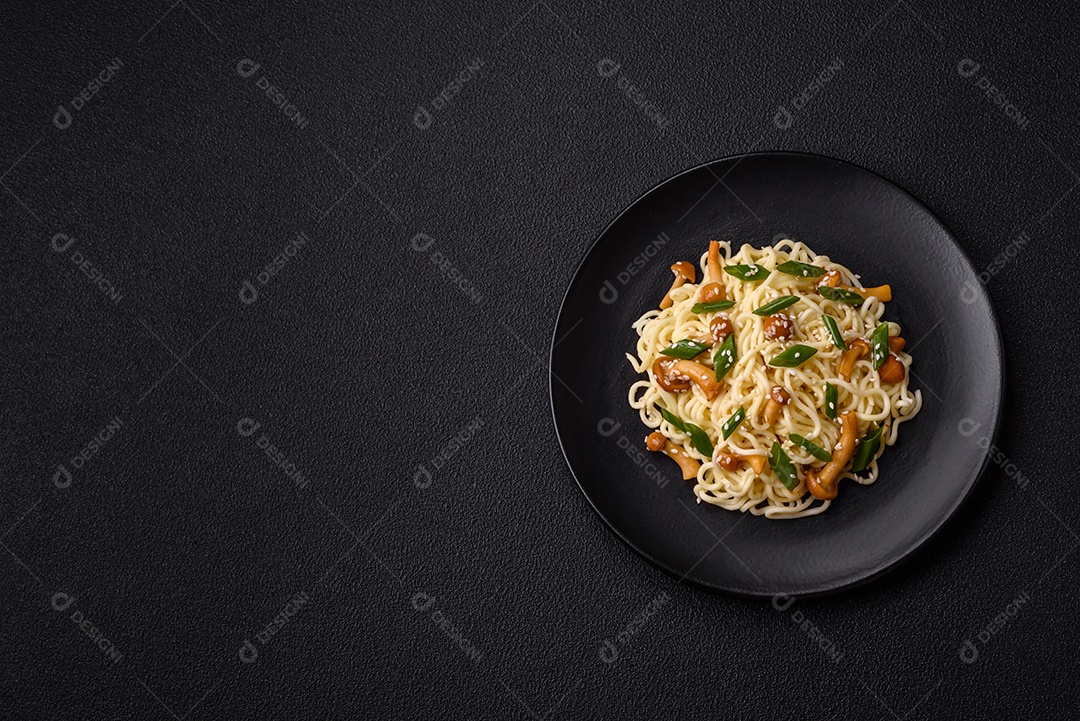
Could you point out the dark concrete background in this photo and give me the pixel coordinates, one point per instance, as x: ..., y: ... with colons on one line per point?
x: 177, y: 566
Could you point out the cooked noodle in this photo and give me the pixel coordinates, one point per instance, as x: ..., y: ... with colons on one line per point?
x: 748, y: 382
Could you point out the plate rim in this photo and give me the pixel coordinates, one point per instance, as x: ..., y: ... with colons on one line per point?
x: 832, y: 587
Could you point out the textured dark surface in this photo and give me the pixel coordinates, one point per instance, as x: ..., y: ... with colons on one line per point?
x: 180, y: 180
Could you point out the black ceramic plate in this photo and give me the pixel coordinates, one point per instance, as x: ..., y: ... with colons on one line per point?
x: 860, y: 220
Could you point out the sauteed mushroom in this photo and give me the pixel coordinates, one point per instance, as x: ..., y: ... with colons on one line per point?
x: 822, y: 483
x: 658, y: 443
x: 684, y: 272
x: 713, y: 290
x: 731, y: 461
x: 778, y: 398
x: 857, y: 348
x: 892, y: 371
x: 720, y: 328
x: 777, y: 327
x: 675, y: 375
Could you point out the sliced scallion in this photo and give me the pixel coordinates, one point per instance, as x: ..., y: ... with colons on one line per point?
x: 879, y: 345
x: 724, y: 358
x: 830, y: 400
x: 776, y: 305
x: 810, y: 447
x: 834, y: 331
x: 783, y: 467
x: 713, y: 306
x: 697, y: 434
x: 866, y: 451
x: 793, y: 356
x: 700, y: 439
x: 801, y: 270
x: 672, y: 419
x: 840, y: 295
x: 685, y: 349
x: 732, y: 423
x: 747, y: 272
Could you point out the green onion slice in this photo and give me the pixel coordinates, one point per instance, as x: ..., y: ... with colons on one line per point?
x: 793, y: 356
x: 783, y: 467
x: 747, y: 272
x: 834, y: 331
x: 879, y: 345
x: 724, y: 358
x: 777, y: 304
x: 810, y: 447
x: 700, y: 439
x: 685, y: 349
x: 697, y: 434
x: 830, y: 400
x: 711, y: 307
x: 732, y: 423
x: 672, y: 419
x: 866, y: 451
x: 802, y: 270
x: 840, y: 295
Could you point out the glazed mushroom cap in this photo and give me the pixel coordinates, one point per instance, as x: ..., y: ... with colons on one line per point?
x: 720, y: 328
x: 666, y: 378
x: 711, y: 292
x: 659, y: 443
x: 857, y: 348
x: 777, y: 326
x: 684, y: 272
x: 892, y: 371
x: 655, y: 441
x: 822, y: 482
x: 778, y: 398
